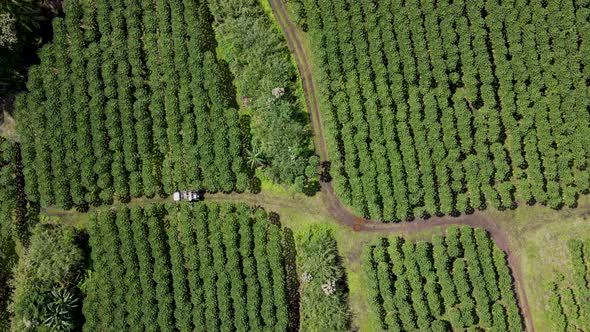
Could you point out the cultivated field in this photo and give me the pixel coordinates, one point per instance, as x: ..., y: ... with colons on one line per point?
x: 454, y: 117
x: 204, y: 267
x: 129, y: 100
x: 450, y: 106
x: 460, y: 280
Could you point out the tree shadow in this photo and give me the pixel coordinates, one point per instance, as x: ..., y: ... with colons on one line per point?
x: 292, y: 282
x: 311, y: 188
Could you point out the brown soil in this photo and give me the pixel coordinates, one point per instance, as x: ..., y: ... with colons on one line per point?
x: 344, y: 216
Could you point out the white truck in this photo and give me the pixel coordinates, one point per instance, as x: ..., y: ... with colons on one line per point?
x: 187, y: 196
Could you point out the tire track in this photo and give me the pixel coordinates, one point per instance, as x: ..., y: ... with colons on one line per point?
x: 343, y: 216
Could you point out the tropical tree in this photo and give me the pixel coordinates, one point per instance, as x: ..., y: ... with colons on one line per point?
x: 60, y: 310
x: 255, y: 157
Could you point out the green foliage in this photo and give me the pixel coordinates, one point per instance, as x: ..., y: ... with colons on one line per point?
x: 17, y: 215
x: 214, y: 267
x: 23, y: 28
x: 60, y: 310
x: 45, y: 281
x: 8, y: 257
x: 324, y: 296
x: 259, y: 59
x: 127, y: 101
x: 568, y: 310
x: 255, y: 157
x: 435, y: 290
x: 7, y: 194
x: 297, y: 13
x: 437, y: 108
x: 16, y: 219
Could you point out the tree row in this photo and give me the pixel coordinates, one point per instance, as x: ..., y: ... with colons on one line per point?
x: 446, y: 107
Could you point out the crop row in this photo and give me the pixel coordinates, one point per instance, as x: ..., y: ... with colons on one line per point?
x: 7, y: 207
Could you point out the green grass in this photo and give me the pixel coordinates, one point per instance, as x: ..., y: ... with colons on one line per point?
x: 539, y: 237
x: 544, y: 254
x: 276, y: 189
x: 267, y: 8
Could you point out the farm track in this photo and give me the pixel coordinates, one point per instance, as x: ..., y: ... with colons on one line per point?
x: 343, y: 216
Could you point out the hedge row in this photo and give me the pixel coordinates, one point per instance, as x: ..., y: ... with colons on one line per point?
x: 8, y: 257
x: 17, y: 218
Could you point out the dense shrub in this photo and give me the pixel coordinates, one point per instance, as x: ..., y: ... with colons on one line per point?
x: 260, y: 61
x: 297, y: 12
x: 324, y: 293
x: 24, y: 26
x: 46, y: 296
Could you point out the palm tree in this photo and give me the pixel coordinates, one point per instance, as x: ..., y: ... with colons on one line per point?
x: 255, y: 157
x: 59, y: 310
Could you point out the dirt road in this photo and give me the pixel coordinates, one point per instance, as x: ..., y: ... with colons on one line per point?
x: 342, y: 214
